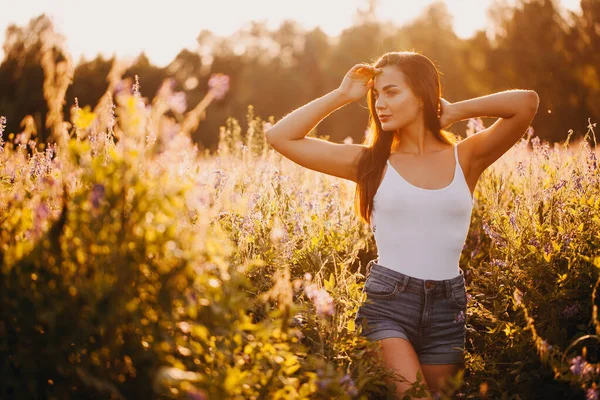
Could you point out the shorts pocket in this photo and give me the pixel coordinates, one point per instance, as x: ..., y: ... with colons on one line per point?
x: 379, y: 288
x: 459, y: 297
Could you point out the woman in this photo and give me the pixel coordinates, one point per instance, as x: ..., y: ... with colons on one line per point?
x: 415, y: 185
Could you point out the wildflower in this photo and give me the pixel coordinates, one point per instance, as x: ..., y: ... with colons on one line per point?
x: 520, y: 169
x: 493, y: 235
x: 347, y: 383
x: 84, y: 117
x: 533, y: 241
x: 321, y: 299
x: 593, y: 158
x: 253, y: 200
x: 547, y: 248
x: 177, y: 102
x: 513, y: 221
x: 591, y: 394
x: 570, y: 311
x: 559, y: 186
x: 297, y: 228
x: 577, y: 365
x: 474, y: 125
x: 545, y: 151
x: 2, y: 128
x: 219, y: 85
x: 96, y: 195
x: 544, y: 346
x: 460, y: 317
x: 323, y: 383
x: 578, y: 184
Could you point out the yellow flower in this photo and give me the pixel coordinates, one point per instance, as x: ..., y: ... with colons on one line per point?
x: 84, y: 118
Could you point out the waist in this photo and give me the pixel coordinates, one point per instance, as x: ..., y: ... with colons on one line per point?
x: 419, y: 270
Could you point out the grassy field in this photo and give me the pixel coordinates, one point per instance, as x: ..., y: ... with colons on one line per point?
x: 135, y: 266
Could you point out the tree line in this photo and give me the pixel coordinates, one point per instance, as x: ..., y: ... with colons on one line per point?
x: 529, y: 45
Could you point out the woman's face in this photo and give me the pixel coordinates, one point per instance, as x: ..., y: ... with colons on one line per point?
x: 394, y: 99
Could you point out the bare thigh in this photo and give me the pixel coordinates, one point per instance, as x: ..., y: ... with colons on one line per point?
x: 400, y: 356
x: 437, y: 374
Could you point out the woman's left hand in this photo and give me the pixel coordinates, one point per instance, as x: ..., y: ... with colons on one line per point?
x: 445, y: 113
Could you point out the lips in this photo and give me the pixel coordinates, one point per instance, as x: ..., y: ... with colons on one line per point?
x: 382, y: 117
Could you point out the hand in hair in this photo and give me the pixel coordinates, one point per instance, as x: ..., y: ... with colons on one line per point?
x: 357, y: 81
x: 446, y: 118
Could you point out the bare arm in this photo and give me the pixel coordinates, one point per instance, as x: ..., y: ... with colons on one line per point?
x: 298, y: 123
x: 288, y: 135
x: 502, y: 105
x: 515, y: 109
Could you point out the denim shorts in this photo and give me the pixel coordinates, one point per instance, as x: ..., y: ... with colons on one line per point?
x: 430, y: 314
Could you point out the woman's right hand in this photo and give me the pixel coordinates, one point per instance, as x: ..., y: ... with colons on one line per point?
x: 357, y: 81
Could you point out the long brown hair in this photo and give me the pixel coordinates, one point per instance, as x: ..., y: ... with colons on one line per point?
x: 423, y: 78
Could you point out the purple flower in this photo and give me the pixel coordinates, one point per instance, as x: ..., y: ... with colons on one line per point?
x: 547, y: 248
x: 498, y: 263
x: 474, y: 125
x: 177, y: 102
x: 219, y: 85
x: 570, y: 311
x: 520, y: 169
x: 593, y: 158
x: 578, y: 184
x: 560, y: 185
x: 96, y: 195
x: 533, y: 241
x: 545, y: 347
x: 493, y: 235
x: 577, y: 365
x: 513, y: 222
x: 323, y: 383
x: 460, y: 317
x: 121, y: 87
x: 347, y: 383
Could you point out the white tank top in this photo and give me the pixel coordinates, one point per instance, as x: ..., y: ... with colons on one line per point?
x: 421, y: 232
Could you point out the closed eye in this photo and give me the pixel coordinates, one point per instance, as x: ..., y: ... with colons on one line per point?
x: 389, y: 92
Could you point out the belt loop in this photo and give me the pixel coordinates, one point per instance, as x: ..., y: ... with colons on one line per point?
x: 405, y: 280
x: 368, y: 269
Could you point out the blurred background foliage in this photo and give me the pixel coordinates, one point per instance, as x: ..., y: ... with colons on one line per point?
x: 532, y: 46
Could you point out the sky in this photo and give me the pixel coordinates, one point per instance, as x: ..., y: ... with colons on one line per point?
x: 161, y: 29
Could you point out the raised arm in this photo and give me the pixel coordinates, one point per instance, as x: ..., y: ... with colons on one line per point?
x: 288, y: 135
x: 515, y: 110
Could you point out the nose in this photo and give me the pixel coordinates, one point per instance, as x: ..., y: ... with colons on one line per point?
x: 379, y: 105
